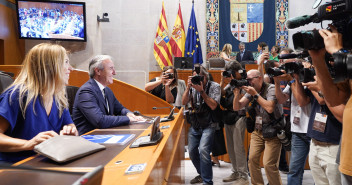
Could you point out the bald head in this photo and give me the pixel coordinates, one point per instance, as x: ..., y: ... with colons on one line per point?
x: 253, y: 72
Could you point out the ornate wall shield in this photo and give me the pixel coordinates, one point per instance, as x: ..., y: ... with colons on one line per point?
x: 247, y: 19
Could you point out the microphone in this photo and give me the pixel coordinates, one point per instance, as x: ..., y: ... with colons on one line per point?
x: 155, y: 108
x: 137, y: 113
x: 301, y: 20
x: 303, y: 54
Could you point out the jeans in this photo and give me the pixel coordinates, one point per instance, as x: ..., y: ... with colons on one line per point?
x: 299, y: 152
x: 200, y: 143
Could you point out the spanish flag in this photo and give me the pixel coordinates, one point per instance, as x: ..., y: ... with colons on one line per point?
x: 178, y: 37
x: 162, y: 48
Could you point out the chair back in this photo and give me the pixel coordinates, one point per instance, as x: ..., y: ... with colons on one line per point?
x: 71, y: 94
x: 216, y: 63
x: 5, y: 81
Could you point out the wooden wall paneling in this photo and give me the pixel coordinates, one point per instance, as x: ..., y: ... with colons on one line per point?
x: 2, y: 52
x: 14, y: 48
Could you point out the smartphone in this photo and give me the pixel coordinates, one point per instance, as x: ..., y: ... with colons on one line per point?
x: 266, y: 49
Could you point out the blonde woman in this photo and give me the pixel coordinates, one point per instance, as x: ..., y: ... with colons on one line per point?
x: 226, y: 52
x: 34, y: 108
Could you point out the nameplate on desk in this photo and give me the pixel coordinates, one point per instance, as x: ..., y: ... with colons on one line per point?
x: 110, y: 139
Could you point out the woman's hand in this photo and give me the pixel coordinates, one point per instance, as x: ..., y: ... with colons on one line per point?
x: 39, y: 138
x: 69, y: 130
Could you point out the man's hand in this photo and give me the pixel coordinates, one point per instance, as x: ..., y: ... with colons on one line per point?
x: 283, y: 77
x: 332, y: 39
x: 313, y: 86
x: 264, y: 56
x: 133, y: 117
x: 198, y: 88
x: 250, y: 90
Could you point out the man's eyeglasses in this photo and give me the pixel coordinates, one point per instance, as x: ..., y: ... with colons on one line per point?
x: 250, y: 79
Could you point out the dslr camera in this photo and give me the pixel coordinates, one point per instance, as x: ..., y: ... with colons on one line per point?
x: 169, y: 75
x: 197, y: 78
x: 239, y: 83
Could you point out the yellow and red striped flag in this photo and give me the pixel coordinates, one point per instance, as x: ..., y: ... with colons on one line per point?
x: 162, y: 48
x: 178, y: 37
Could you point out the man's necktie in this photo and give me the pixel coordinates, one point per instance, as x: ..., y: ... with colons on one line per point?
x: 106, y: 101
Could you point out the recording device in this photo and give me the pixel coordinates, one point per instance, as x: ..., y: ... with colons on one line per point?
x: 169, y: 75
x: 340, y: 12
x: 302, y: 54
x: 286, y: 143
x: 274, y: 71
x: 305, y: 74
x: 197, y: 78
x: 342, y: 66
x: 228, y: 74
x: 242, y: 82
x: 239, y: 83
x: 266, y: 49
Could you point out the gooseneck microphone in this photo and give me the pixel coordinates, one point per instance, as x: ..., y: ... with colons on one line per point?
x: 293, y: 55
x: 301, y: 20
x: 155, y: 108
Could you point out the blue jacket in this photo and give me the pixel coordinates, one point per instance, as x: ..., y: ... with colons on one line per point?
x: 90, y: 110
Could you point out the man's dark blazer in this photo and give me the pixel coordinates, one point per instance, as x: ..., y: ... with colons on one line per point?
x: 246, y: 56
x: 90, y: 110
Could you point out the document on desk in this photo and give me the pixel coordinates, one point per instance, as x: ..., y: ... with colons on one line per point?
x: 120, y: 139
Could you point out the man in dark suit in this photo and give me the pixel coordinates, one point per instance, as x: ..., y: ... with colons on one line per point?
x: 95, y: 104
x: 244, y: 55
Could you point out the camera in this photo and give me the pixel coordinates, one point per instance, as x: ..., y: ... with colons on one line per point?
x: 339, y: 12
x: 285, y: 141
x: 239, y: 83
x: 228, y: 74
x: 275, y: 71
x: 293, y: 67
x: 342, y: 66
x: 197, y: 78
x: 169, y: 75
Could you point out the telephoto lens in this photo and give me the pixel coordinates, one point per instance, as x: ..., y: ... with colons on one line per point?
x: 286, y: 143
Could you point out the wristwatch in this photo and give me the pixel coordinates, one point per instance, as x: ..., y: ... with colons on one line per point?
x: 255, y: 97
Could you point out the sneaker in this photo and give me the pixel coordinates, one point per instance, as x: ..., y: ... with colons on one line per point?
x: 196, y: 180
x: 241, y: 181
x: 232, y: 177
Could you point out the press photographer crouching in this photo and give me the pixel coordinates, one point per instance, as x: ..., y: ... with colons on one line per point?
x: 268, y: 118
x: 204, y: 96
x: 234, y: 121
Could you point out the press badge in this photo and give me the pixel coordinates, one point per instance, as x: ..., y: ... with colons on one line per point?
x: 258, y: 122
x: 297, y: 117
x: 319, y: 123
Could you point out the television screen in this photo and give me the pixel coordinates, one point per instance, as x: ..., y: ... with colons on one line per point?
x: 51, y: 20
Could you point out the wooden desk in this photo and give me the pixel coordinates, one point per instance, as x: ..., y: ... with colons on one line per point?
x: 164, y: 160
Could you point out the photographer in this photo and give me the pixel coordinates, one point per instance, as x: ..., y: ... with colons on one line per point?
x: 204, y: 96
x: 234, y: 124
x: 268, y: 118
x: 165, y: 86
x: 300, y: 111
x: 335, y: 96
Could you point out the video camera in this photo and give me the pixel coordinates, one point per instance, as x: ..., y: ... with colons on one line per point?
x: 197, y: 78
x: 305, y: 74
x: 339, y: 11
